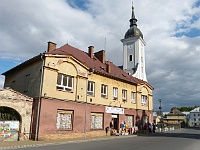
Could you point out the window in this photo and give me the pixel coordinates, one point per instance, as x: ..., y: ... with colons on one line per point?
x: 194, y: 119
x: 194, y: 114
x: 104, y: 91
x: 132, y: 97
x: 96, y: 121
x: 115, y: 93
x: 199, y: 119
x: 64, y: 120
x: 64, y: 82
x: 130, y: 57
x: 124, y: 95
x: 144, y: 100
x: 90, y: 90
x: 129, y: 120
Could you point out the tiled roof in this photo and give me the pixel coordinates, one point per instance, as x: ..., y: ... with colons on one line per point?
x: 175, y: 112
x: 96, y: 64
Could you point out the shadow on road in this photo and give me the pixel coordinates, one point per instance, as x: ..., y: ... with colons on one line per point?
x: 190, y: 133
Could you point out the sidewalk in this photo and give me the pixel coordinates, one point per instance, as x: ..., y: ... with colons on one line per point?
x: 31, y: 143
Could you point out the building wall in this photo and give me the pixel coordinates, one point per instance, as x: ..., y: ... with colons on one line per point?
x: 25, y: 80
x: 22, y: 104
x: 194, y: 119
x: 70, y: 67
x: 77, y: 100
x: 48, y: 118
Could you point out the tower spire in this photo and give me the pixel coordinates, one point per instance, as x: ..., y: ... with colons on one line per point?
x: 133, y: 20
x: 133, y: 50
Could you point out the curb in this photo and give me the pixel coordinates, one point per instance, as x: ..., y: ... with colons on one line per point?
x: 65, y: 142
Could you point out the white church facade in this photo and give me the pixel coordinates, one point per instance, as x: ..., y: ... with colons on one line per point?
x: 133, y: 50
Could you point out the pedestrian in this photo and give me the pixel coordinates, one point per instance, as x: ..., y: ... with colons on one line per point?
x: 149, y: 126
x: 154, y: 127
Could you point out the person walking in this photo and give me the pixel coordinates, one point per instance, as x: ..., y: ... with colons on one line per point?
x: 149, y: 127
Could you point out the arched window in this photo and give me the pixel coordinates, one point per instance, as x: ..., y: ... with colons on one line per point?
x: 130, y: 57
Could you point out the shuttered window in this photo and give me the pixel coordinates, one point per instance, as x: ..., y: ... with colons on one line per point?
x: 96, y: 120
x: 64, y: 120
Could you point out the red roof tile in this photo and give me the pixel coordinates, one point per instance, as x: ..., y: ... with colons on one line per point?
x: 96, y: 64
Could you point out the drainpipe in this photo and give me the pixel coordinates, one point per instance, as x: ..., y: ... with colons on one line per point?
x: 85, y: 121
x: 91, y: 71
x: 39, y: 98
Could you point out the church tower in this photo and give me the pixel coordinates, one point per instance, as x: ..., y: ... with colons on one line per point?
x: 133, y: 50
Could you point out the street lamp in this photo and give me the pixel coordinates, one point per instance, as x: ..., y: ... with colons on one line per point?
x: 160, y: 107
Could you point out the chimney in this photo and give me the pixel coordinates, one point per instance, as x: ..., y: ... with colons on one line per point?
x: 51, y: 46
x: 91, y: 51
x: 108, y: 66
x: 101, y: 56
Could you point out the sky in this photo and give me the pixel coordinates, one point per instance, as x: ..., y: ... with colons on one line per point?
x: 171, y: 30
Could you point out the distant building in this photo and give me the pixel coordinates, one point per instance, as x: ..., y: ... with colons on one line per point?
x: 194, y: 119
x: 175, y: 117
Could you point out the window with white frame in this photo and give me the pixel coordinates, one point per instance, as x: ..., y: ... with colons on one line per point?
x: 96, y: 121
x: 90, y: 90
x: 104, y: 91
x: 65, y: 82
x: 132, y: 97
x: 144, y: 100
x: 124, y: 95
x: 64, y: 120
x: 115, y: 93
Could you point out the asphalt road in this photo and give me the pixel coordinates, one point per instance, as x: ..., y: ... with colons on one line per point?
x: 183, y: 139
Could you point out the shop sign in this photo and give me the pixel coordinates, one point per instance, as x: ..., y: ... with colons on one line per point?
x: 114, y: 110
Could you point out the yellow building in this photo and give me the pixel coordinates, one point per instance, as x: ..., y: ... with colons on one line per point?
x: 79, y: 93
x: 175, y: 117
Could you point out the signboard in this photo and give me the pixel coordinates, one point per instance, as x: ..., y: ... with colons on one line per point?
x: 114, y: 110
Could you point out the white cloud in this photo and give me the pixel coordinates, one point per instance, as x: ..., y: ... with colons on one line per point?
x: 171, y: 62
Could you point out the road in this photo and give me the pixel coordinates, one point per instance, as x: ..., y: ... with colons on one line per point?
x: 183, y: 139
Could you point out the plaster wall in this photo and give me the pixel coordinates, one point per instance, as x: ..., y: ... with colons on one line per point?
x: 22, y: 104
x: 71, y: 67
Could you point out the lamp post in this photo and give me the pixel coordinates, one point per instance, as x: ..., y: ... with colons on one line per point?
x: 160, y: 107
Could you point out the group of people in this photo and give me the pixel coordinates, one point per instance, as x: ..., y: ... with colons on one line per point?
x: 150, y: 128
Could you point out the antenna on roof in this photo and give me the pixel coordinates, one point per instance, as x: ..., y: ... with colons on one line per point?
x: 105, y: 44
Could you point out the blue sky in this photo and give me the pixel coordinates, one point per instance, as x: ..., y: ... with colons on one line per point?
x: 171, y: 30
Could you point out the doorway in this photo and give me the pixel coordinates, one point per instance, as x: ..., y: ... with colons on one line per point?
x: 115, y: 120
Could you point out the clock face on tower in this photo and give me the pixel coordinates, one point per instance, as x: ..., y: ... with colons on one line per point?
x: 137, y: 33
